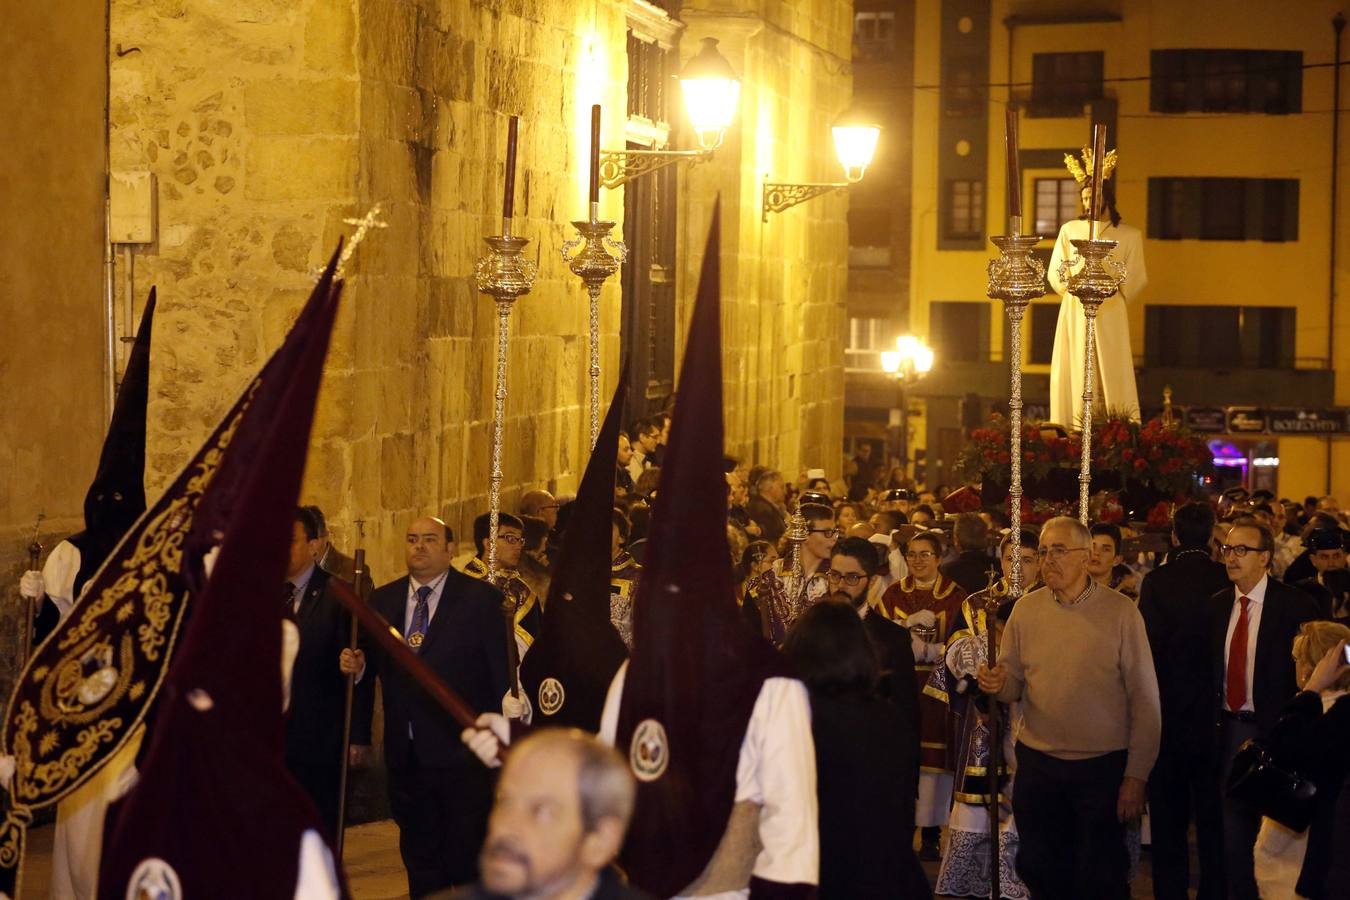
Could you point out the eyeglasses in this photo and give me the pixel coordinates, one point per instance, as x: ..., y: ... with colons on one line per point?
x: 920, y: 554
x: 1238, y: 550
x: 828, y: 532
x: 514, y: 540
x: 1058, y: 553
x: 852, y: 579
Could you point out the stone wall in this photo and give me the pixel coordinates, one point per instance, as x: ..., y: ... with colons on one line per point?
x: 271, y: 123
x: 52, y: 381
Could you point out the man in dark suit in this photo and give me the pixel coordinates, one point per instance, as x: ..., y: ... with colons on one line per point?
x: 439, y: 793
x: 973, y: 564
x: 1174, y: 601
x: 1252, y: 636
x: 318, y: 688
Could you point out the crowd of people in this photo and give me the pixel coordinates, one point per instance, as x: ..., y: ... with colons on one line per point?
x: 1125, y: 679
x: 1128, y: 680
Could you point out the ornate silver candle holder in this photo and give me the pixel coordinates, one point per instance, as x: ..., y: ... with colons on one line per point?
x: 594, y: 265
x: 1015, y: 278
x: 1096, y: 281
x: 503, y: 274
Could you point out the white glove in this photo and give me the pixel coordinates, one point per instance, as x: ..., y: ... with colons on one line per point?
x: 486, y: 740
x: 517, y: 707
x: 924, y: 652
x: 31, y: 585
x: 924, y: 618
x: 209, y: 560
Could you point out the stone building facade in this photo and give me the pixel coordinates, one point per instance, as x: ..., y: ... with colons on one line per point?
x: 266, y: 124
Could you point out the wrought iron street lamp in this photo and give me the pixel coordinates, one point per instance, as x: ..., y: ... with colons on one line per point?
x: 712, y: 91
x: 910, y: 361
x: 855, y: 143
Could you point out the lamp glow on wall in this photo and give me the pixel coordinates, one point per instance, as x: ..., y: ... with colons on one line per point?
x: 855, y: 143
x: 712, y: 92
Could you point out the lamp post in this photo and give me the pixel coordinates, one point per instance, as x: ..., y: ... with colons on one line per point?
x: 910, y: 361
x: 855, y: 143
x: 712, y: 91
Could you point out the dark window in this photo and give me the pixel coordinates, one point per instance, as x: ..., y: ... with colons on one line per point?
x: 1062, y: 83
x: 962, y: 86
x: 1057, y: 201
x: 649, y: 229
x: 959, y: 330
x: 648, y: 75
x: 1223, y: 209
x: 869, y: 237
x: 1243, y: 81
x: 1219, y: 337
x: 873, y: 35
x: 965, y: 210
x: 1044, y: 321
x: 869, y: 226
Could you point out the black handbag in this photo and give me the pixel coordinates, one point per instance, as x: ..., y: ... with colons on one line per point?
x: 1257, y: 779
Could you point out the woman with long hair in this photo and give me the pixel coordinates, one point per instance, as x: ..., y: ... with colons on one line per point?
x: 867, y: 761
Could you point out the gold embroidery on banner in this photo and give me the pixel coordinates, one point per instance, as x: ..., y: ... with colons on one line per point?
x: 115, y: 649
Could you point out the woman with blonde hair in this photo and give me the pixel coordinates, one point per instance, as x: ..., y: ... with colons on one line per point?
x: 1310, y: 738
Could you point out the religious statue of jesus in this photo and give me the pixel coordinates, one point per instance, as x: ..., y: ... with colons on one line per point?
x: 1115, y: 389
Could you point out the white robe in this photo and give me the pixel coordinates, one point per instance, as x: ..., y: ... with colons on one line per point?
x: 1115, y: 361
x: 776, y: 771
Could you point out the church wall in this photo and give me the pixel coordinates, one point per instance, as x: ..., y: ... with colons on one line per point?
x: 267, y: 125
x: 52, y: 381
x: 267, y: 128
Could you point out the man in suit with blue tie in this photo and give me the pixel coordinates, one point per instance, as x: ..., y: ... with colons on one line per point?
x: 439, y: 793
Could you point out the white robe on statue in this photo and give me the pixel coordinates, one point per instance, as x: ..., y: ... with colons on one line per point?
x: 1115, y: 361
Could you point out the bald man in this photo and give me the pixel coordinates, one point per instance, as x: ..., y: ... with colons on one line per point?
x: 438, y: 792
x: 542, y: 505
x: 563, y: 805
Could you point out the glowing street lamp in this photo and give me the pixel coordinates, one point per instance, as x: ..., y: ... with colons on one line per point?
x: 855, y: 143
x: 910, y: 361
x: 712, y: 92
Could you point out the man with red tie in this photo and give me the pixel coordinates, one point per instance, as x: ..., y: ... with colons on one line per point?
x: 1253, y: 635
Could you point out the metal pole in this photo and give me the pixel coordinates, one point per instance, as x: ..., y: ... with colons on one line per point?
x: 904, y: 425
x: 1089, y: 376
x: 1337, y: 23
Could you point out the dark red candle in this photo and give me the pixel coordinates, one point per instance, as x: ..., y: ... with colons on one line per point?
x: 1014, y: 165
x: 595, y: 153
x: 1098, y: 165
x: 509, y: 201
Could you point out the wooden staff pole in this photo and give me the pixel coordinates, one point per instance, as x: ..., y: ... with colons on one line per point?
x: 359, y: 582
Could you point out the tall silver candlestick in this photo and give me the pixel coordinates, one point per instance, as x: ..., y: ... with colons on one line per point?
x: 594, y: 265
x: 1015, y: 277
x: 1096, y: 281
x: 503, y: 274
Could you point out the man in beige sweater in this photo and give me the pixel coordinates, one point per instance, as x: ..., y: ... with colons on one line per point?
x: 1076, y: 654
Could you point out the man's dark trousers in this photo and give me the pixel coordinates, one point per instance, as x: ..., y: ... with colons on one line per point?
x: 1071, y: 845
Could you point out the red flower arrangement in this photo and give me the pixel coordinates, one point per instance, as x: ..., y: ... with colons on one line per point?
x: 1159, y: 457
